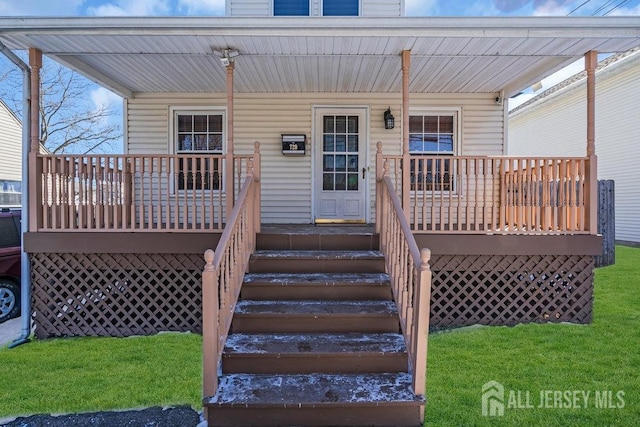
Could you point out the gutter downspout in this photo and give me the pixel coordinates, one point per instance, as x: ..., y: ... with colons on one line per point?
x: 25, y: 269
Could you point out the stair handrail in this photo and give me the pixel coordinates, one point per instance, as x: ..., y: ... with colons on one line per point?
x: 410, y: 276
x: 224, y: 272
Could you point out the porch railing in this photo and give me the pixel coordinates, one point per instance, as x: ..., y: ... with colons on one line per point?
x: 484, y: 194
x: 135, y: 192
x: 223, y: 275
x: 410, y: 276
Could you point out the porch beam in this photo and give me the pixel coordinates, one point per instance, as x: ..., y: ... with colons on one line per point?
x: 591, y: 195
x: 229, y: 171
x: 34, y: 182
x: 406, y: 65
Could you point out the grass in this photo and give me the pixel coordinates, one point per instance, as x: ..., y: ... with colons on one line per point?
x: 602, y: 356
x: 89, y: 374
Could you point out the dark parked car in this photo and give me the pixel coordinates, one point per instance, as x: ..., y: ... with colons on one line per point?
x: 9, y: 264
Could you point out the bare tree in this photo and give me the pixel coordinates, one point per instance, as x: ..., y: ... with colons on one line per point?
x: 70, y: 122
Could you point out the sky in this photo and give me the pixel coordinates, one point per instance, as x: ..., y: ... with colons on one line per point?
x: 412, y: 8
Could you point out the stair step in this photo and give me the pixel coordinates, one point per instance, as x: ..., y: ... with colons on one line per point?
x: 315, y: 400
x: 300, y: 286
x: 310, y: 238
x: 253, y: 316
x: 314, y: 353
x: 316, y: 262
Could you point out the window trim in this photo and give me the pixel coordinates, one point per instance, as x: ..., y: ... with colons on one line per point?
x: 316, y: 8
x: 456, y: 112
x: 174, y: 112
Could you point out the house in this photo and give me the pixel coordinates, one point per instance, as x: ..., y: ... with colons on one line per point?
x: 244, y: 132
x: 552, y: 123
x: 10, y: 161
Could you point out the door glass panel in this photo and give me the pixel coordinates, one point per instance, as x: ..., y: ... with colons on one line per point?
x: 327, y: 182
x: 353, y: 143
x: 328, y: 143
x: 328, y: 163
x: 352, y: 123
x: 328, y: 124
x: 353, y: 164
x: 341, y: 162
x: 352, y: 181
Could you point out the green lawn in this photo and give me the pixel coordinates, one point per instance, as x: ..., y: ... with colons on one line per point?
x: 86, y: 374
x: 599, y: 357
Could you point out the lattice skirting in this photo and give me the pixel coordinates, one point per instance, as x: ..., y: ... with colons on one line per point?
x: 505, y: 290
x: 116, y: 294
x: 142, y: 294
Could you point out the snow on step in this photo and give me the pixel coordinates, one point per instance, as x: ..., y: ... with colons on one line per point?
x: 315, y: 307
x: 299, y: 254
x: 247, y: 389
x: 318, y: 278
x: 315, y: 343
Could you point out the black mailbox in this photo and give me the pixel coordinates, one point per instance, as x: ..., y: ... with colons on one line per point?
x: 294, y: 145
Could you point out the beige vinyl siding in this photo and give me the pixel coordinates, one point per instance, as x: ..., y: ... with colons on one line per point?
x: 11, y: 143
x: 542, y: 131
x: 557, y: 126
x: 287, y: 181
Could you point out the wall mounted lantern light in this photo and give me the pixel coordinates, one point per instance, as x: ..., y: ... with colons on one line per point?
x: 389, y: 120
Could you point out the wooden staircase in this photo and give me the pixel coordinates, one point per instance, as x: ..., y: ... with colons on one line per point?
x: 315, y: 339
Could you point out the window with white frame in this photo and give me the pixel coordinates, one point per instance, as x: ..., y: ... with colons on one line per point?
x: 432, y: 140
x: 198, y: 134
x: 303, y: 7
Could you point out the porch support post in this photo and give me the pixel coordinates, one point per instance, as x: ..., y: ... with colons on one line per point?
x: 406, y: 64
x: 591, y: 195
x: 229, y: 170
x: 35, y: 169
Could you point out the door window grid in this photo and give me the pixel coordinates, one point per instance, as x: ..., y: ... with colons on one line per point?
x: 340, y: 160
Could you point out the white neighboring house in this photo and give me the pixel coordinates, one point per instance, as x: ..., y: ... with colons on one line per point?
x: 554, y: 122
x: 10, y: 160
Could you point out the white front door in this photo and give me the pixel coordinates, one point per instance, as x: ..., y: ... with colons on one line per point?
x: 340, y: 178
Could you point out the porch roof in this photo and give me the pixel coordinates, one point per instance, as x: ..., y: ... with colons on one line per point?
x: 277, y: 55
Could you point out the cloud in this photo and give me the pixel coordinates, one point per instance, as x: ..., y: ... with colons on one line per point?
x: 626, y: 11
x: 201, y: 7
x: 552, y: 7
x: 104, y: 97
x: 40, y: 7
x: 132, y: 8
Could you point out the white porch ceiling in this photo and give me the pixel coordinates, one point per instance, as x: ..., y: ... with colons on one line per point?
x: 277, y: 55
